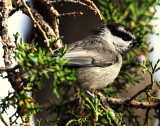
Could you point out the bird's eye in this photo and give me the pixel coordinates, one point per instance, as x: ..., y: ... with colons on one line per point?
x: 126, y: 37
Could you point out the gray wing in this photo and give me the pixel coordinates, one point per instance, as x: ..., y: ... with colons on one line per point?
x: 91, y: 52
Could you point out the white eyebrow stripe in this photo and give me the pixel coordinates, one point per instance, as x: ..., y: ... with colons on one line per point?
x: 122, y: 29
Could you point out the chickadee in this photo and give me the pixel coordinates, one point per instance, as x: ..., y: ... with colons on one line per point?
x: 99, y: 56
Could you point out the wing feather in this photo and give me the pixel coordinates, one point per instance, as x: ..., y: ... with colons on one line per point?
x: 91, y: 53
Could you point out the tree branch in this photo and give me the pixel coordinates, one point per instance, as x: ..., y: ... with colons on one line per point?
x: 4, y: 122
x: 38, y: 25
x: 4, y: 33
x: 91, y: 5
x: 96, y: 10
x: 55, y: 22
x: 138, y: 93
x: 71, y: 14
x: 38, y: 18
x: 128, y: 103
x: 10, y: 69
x: 146, y: 122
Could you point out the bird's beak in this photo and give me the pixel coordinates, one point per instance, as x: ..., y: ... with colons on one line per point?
x: 138, y: 42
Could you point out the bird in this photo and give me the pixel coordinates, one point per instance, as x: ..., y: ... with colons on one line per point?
x: 98, y: 57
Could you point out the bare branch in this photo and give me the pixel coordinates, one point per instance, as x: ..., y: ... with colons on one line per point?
x: 10, y: 69
x: 4, y: 122
x: 4, y: 34
x: 55, y: 21
x: 54, y: 14
x: 37, y: 24
x: 92, y: 6
x: 39, y: 19
x: 146, y: 122
x: 71, y: 14
x: 128, y: 103
x: 96, y: 11
x: 139, y: 92
x: 12, y: 11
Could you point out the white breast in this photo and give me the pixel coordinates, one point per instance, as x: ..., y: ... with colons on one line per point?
x: 98, y: 77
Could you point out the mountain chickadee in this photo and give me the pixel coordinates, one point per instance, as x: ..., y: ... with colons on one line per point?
x: 99, y: 56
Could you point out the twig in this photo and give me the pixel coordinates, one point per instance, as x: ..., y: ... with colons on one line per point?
x: 54, y: 14
x: 97, y: 11
x: 92, y: 6
x: 128, y: 103
x: 70, y: 14
x: 146, y: 122
x: 37, y: 24
x: 12, y: 11
x: 39, y: 19
x: 55, y: 22
x: 139, y: 92
x: 4, y: 122
x: 33, y: 37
